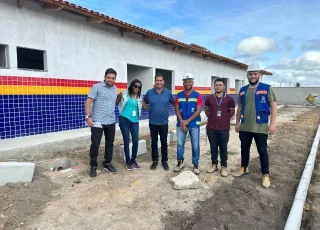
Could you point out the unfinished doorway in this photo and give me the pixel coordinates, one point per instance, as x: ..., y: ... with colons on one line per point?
x: 226, y: 84
x: 167, y: 77
x: 143, y: 73
x: 238, y: 86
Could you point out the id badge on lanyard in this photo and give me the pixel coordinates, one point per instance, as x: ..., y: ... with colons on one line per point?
x: 219, y: 104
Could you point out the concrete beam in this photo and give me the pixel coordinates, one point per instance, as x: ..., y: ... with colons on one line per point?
x: 142, y: 149
x: 13, y: 172
x: 159, y: 141
x: 70, y: 140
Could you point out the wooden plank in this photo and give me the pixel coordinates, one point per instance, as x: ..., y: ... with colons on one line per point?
x: 94, y: 20
x: 150, y: 38
x: 20, y: 3
x: 52, y: 7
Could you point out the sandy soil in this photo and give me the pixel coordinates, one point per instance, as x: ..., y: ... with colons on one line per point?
x: 144, y: 199
x: 311, y: 215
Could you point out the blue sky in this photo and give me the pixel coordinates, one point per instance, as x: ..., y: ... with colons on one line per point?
x: 283, y: 36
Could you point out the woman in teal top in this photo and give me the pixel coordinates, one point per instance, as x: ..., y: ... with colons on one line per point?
x: 129, y: 104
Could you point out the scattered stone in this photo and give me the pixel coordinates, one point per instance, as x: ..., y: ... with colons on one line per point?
x: 307, y: 207
x: 185, y: 180
x: 70, y: 176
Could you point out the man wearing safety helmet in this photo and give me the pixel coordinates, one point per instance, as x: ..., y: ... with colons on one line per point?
x: 257, y: 101
x: 188, y: 109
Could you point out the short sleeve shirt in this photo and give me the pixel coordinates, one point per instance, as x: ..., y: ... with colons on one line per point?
x: 222, y: 122
x: 158, y: 106
x: 104, y: 103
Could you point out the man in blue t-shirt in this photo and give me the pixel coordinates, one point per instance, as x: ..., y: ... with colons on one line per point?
x: 158, y: 99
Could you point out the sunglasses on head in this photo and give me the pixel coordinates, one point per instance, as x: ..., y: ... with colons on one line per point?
x: 137, y: 87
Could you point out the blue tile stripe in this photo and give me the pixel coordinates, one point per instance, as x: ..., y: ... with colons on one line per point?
x: 25, y: 115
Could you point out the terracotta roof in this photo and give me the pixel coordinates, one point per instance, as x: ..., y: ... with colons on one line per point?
x: 126, y: 27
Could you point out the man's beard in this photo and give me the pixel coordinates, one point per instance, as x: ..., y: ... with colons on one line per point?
x: 254, y: 83
x: 188, y: 87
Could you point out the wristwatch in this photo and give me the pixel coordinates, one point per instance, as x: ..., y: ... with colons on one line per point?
x: 88, y: 117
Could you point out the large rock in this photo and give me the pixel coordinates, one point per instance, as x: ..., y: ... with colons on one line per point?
x: 185, y: 180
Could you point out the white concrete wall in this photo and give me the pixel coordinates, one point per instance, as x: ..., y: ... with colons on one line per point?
x: 295, y: 95
x: 79, y: 50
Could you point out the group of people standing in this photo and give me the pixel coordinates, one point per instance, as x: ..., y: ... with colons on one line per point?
x: 256, y: 103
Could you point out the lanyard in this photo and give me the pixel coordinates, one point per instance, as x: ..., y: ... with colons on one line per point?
x: 218, y: 104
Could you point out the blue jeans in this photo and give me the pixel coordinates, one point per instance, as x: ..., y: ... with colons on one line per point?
x: 127, y: 127
x: 195, y: 143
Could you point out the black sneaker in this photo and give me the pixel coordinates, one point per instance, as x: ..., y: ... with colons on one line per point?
x: 165, y: 165
x: 93, y: 171
x: 154, y: 165
x: 110, y: 168
x: 135, y: 165
x: 130, y: 166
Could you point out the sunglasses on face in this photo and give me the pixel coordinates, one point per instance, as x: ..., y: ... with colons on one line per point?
x: 137, y: 87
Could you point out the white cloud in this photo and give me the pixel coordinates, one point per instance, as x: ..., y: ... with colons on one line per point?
x: 256, y: 46
x: 304, y: 69
x: 175, y: 33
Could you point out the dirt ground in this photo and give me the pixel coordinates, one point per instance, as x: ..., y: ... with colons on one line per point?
x: 144, y: 199
x: 311, y: 215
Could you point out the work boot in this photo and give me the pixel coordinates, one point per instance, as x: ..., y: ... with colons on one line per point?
x: 242, y: 172
x: 154, y: 165
x: 179, y: 166
x: 212, y: 168
x: 93, y: 171
x: 224, y: 171
x: 265, y: 181
x: 196, y: 169
x: 165, y: 166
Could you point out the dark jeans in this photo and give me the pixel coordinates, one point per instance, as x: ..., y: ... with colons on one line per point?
x: 219, y: 139
x: 96, y: 134
x: 261, y: 142
x: 127, y: 127
x: 162, y: 131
